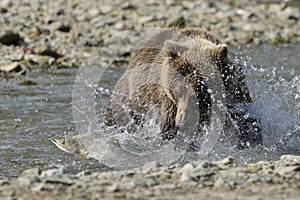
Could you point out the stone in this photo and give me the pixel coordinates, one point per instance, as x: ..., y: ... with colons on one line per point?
x: 47, y: 51
x: 113, y: 188
x: 9, y: 37
x: 167, y: 186
x: 290, y: 159
x: 255, y: 167
x: 286, y: 170
x: 37, y: 187
x: 93, y: 12
x: 31, y: 172
x: 145, y: 19
x: 59, y: 26
x: 39, y: 59
x: 149, y: 167
x: 64, y: 179
x: 52, y: 172
x: 14, y: 66
x: 27, y: 82
x: 4, y: 182
x: 6, y: 4
x: 185, y: 176
x: 219, y: 183
x: 225, y: 163
x: 27, y: 180
x: 105, y: 9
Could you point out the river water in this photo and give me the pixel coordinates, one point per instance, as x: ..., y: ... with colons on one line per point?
x: 31, y: 115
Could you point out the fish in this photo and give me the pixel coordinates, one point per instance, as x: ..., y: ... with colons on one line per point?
x: 71, y: 145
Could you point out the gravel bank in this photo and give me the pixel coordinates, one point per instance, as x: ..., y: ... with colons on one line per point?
x: 38, y: 35
x: 199, y: 180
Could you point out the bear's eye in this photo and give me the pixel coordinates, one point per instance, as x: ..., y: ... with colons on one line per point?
x: 174, y: 55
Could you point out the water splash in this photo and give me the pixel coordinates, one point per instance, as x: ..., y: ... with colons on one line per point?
x: 275, y: 88
x: 274, y: 82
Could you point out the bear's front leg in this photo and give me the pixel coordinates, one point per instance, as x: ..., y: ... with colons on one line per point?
x: 168, y: 116
x: 168, y: 126
x: 250, y: 133
x: 248, y: 128
x: 155, y: 98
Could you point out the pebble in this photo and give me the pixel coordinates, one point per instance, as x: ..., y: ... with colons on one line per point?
x: 64, y: 27
x: 154, y: 181
x: 290, y: 158
x: 52, y: 172
x: 14, y: 66
x: 31, y: 172
x: 283, y: 171
x: 8, y: 37
x: 64, y: 179
x: 105, y: 9
x: 39, y: 59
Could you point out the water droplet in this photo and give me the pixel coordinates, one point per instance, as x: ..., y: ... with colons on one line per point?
x: 18, y: 120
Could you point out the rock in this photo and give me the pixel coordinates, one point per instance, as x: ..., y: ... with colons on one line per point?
x: 31, y: 172
x: 52, y: 172
x: 255, y: 167
x: 145, y: 19
x: 64, y: 27
x: 290, y: 159
x: 15, y: 66
x: 127, y: 6
x: 59, y: 26
x: 83, y: 173
x: 287, y: 170
x: 38, y: 187
x: 9, y: 37
x: 167, y: 186
x: 6, y: 4
x: 176, y: 22
x: 93, y: 12
x: 149, y: 167
x: 219, y: 183
x: 128, y: 185
x: 3, y: 10
x: 39, y: 59
x: 64, y: 179
x: 187, y: 167
x: 105, y: 9
x: 113, y: 188
x: 27, y: 82
x: 186, y: 172
x: 253, y: 178
x: 27, y: 180
x: 3, y: 182
x: 47, y: 51
x: 225, y: 163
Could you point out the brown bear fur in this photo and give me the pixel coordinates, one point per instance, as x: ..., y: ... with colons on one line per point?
x: 168, y: 69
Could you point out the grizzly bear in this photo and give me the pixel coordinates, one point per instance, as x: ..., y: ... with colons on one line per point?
x: 170, y: 68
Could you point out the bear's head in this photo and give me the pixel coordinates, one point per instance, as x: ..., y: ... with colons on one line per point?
x: 195, y: 59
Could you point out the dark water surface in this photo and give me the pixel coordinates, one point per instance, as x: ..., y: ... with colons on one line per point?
x: 31, y: 115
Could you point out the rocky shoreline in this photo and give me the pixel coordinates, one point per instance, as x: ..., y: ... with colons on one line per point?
x: 37, y: 35
x: 223, y: 179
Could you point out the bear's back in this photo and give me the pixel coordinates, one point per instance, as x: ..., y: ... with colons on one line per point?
x: 149, y: 50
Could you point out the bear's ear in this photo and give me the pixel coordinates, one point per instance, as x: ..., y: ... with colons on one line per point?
x: 172, y: 49
x: 220, y: 54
